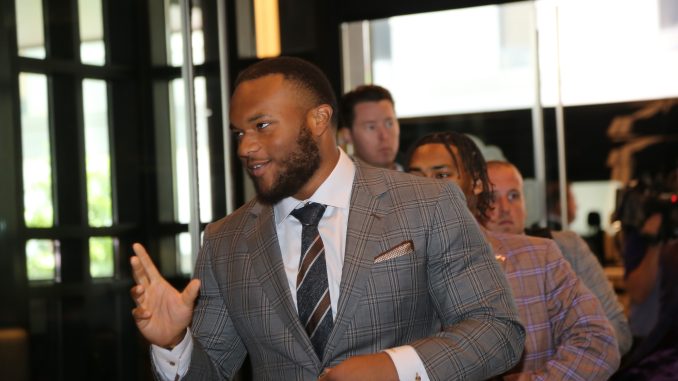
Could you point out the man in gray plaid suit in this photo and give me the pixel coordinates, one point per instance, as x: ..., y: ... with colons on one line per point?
x: 414, y: 289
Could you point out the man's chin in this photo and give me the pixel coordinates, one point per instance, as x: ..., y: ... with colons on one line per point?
x: 266, y: 195
x: 503, y: 229
x: 270, y: 198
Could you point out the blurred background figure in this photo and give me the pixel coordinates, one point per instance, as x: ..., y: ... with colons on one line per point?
x: 648, y: 213
x: 369, y: 123
x: 596, y: 237
x: 553, y: 206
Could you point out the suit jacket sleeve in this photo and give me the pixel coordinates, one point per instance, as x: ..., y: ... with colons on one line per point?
x: 586, y: 347
x: 218, y: 351
x: 586, y: 266
x: 481, y: 335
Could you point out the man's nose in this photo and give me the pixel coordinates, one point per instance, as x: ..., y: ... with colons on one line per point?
x: 247, y: 144
x: 503, y: 204
x: 382, y: 131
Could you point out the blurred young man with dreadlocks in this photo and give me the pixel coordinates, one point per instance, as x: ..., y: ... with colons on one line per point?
x: 568, y: 335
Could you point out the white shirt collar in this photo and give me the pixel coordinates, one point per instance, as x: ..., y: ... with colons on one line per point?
x: 335, y: 191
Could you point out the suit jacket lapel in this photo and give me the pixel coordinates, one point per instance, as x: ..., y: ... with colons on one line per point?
x: 363, y: 242
x: 268, y: 266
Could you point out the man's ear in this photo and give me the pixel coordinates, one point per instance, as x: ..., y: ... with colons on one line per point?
x: 321, y: 117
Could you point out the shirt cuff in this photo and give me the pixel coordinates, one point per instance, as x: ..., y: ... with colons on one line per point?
x: 408, y: 363
x: 173, y: 364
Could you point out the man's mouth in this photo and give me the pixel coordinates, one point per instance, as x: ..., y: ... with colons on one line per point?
x: 257, y: 169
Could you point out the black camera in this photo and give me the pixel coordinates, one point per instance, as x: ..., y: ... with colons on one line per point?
x: 647, y: 196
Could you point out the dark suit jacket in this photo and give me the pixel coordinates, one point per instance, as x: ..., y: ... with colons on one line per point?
x: 443, y: 292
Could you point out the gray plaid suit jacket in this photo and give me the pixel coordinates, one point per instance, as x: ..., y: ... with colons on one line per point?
x: 434, y: 285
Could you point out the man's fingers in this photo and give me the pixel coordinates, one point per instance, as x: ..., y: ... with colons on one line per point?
x: 190, y: 293
x: 140, y: 313
x: 146, y: 262
x: 138, y: 272
x: 137, y: 293
x: 324, y: 375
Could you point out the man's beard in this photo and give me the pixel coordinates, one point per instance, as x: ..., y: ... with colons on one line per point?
x: 295, y: 170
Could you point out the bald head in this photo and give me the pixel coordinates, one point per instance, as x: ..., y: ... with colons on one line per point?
x: 508, y: 212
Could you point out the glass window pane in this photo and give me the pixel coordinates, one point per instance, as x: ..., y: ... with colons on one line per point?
x: 92, y: 48
x: 30, y: 33
x: 204, y: 173
x: 97, y: 157
x: 41, y: 259
x: 176, y: 43
x: 594, y: 196
x: 101, y: 263
x: 492, y: 71
x: 35, y: 143
x: 184, y: 254
x: 180, y: 151
x: 610, y: 51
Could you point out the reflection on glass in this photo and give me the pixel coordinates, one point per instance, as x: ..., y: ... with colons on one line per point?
x: 30, y: 33
x: 176, y: 43
x: 97, y: 157
x: 267, y: 28
x: 92, y: 49
x: 101, y: 263
x: 41, y: 259
x: 35, y: 144
x: 180, y: 151
x: 184, y: 253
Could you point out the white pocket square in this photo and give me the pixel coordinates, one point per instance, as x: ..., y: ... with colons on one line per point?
x: 404, y: 248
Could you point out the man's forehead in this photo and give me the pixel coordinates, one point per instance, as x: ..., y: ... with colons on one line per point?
x: 272, y: 81
x: 270, y: 87
x: 371, y: 108
x: 507, y: 179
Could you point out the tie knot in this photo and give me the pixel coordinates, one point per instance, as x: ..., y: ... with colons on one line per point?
x: 309, y: 214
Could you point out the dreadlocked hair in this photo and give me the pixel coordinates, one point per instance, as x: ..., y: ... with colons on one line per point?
x: 472, y: 163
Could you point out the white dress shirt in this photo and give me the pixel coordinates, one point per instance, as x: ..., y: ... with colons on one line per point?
x: 335, y: 192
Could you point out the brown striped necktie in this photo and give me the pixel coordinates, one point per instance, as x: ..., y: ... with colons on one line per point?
x: 313, y: 296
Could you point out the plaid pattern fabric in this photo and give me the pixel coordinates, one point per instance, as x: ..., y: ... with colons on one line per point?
x: 568, y: 335
x: 448, y: 298
x: 588, y: 269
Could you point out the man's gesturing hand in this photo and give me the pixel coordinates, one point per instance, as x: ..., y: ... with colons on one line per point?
x: 162, y: 313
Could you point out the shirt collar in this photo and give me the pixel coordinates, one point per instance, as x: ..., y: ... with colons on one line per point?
x: 335, y: 191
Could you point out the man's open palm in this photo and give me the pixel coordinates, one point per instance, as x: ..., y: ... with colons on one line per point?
x: 162, y: 313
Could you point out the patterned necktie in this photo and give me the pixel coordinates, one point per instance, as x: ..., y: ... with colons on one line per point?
x: 313, y: 296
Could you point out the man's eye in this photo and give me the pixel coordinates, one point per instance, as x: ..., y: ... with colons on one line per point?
x: 237, y: 134
x: 513, y: 196
x: 370, y: 127
x: 442, y: 175
x: 262, y: 125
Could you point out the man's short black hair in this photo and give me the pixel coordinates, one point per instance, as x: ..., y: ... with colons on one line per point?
x: 472, y: 162
x: 303, y: 73
x: 363, y: 93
